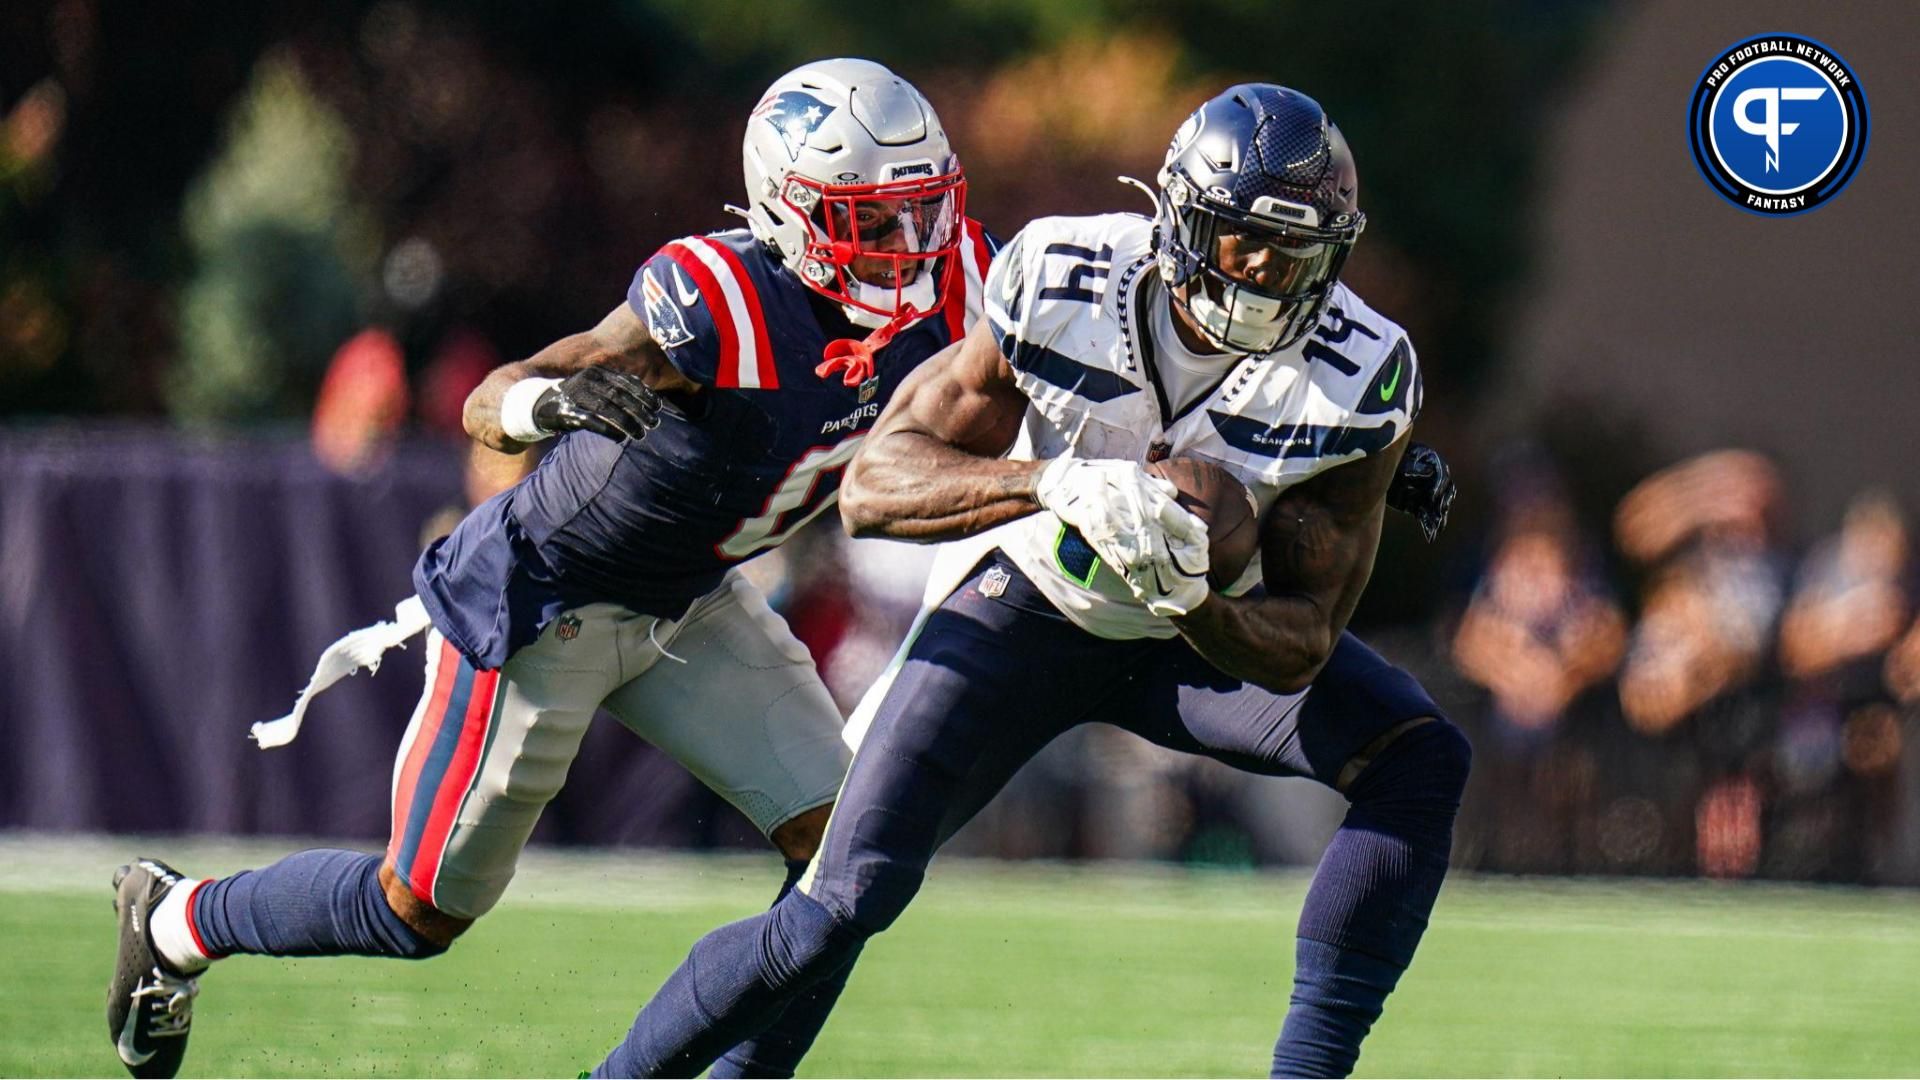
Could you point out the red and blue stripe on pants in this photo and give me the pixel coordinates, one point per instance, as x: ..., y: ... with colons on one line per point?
x: 441, y: 767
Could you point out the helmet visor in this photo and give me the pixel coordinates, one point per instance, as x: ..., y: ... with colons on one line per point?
x: 922, y: 225
x: 1270, y: 263
x: 1254, y: 283
x: 885, y: 236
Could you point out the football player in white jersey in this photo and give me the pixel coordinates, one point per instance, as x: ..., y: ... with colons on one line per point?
x: 1076, y: 589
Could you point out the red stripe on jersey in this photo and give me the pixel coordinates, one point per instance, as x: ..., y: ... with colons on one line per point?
x: 981, y: 257
x: 954, y: 310
x: 446, y: 670
x: 954, y: 306
x: 716, y: 301
x: 461, y: 772
x: 769, y: 375
x: 962, y: 283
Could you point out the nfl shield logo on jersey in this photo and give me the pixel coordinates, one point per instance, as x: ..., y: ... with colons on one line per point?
x: 994, y: 581
x: 868, y: 389
x: 566, y: 627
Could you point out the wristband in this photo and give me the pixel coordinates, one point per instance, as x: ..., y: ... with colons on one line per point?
x: 516, y: 410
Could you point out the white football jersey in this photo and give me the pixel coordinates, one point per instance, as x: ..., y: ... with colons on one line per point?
x: 1068, y: 300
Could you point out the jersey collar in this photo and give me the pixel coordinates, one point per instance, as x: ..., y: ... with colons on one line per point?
x: 1137, y: 291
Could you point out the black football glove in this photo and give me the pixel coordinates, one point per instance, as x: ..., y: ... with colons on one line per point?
x: 1423, y: 488
x: 601, y: 400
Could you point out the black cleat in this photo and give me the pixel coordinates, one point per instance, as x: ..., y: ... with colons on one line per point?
x: 149, y: 1005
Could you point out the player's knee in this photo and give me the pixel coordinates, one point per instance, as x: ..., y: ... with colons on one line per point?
x: 1429, y: 764
x: 1451, y: 757
x: 805, y: 941
x: 1445, y: 755
x: 435, y: 929
x: 798, y: 838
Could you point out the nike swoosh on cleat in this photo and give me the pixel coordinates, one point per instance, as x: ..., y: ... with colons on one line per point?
x: 130, y: 1053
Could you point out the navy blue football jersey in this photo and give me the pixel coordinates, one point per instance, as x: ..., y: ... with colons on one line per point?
x: 654, y: 524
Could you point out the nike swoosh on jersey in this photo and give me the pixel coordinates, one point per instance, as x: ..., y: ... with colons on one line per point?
x: 130, y: 1053
x: 1387, y: 389
x: 688, y: 296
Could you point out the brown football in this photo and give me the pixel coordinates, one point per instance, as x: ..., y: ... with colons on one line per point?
x: 1213, y: 495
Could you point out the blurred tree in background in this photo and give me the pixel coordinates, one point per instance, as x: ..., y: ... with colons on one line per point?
x: 281, y: 256
x: 187, y: 230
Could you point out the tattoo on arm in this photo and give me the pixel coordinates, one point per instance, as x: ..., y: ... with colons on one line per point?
x: 931, y: 470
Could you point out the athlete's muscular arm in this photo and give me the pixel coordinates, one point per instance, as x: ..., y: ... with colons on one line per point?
x: 620, y: 342
x: 1316, y: 554
x: 931, y: 470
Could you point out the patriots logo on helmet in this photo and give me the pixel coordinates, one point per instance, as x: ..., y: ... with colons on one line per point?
x: 664, y: 319
x: 796, y: 115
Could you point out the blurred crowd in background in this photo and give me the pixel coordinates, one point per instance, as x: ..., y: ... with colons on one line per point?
x: 239, y: 219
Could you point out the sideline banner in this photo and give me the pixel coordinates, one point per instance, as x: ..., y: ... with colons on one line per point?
x: 160, y: 592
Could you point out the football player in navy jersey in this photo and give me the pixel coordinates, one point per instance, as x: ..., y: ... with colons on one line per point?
x: 1075, y: 588
x: 703, y: 421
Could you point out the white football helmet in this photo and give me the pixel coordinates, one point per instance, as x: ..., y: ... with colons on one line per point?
x: 850, y: 178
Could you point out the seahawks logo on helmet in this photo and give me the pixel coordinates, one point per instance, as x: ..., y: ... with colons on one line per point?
x: 796, y: 115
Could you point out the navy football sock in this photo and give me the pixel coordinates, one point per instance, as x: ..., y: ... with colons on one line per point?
x: 776, y: 1052
x: 1370, y: 899
x: 732, y: 986
x: 312, y: 903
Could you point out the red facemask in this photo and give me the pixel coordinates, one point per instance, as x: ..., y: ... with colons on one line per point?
x: 883, y: 237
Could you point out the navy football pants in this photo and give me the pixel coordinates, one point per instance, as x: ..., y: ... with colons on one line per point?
x: 991, y: 680
x: 988, y: 682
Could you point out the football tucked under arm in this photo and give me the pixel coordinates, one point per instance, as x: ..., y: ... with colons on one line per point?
x: 1230, y: 511
x: 1317, y: 546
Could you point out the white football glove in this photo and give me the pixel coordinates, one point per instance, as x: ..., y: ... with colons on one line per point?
x: 1174, y: 580
x: 1132, y: 521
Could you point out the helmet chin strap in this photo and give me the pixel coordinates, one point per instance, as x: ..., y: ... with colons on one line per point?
x: 854, y: 359
x: 920, y: 295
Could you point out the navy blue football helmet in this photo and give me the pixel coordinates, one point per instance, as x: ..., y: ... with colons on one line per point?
x: 1257, y: 209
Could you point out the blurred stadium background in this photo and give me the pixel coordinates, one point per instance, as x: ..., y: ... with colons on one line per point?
x: 252, y: 257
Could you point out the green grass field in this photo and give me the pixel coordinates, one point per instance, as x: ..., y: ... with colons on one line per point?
x: 1023, y: 971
